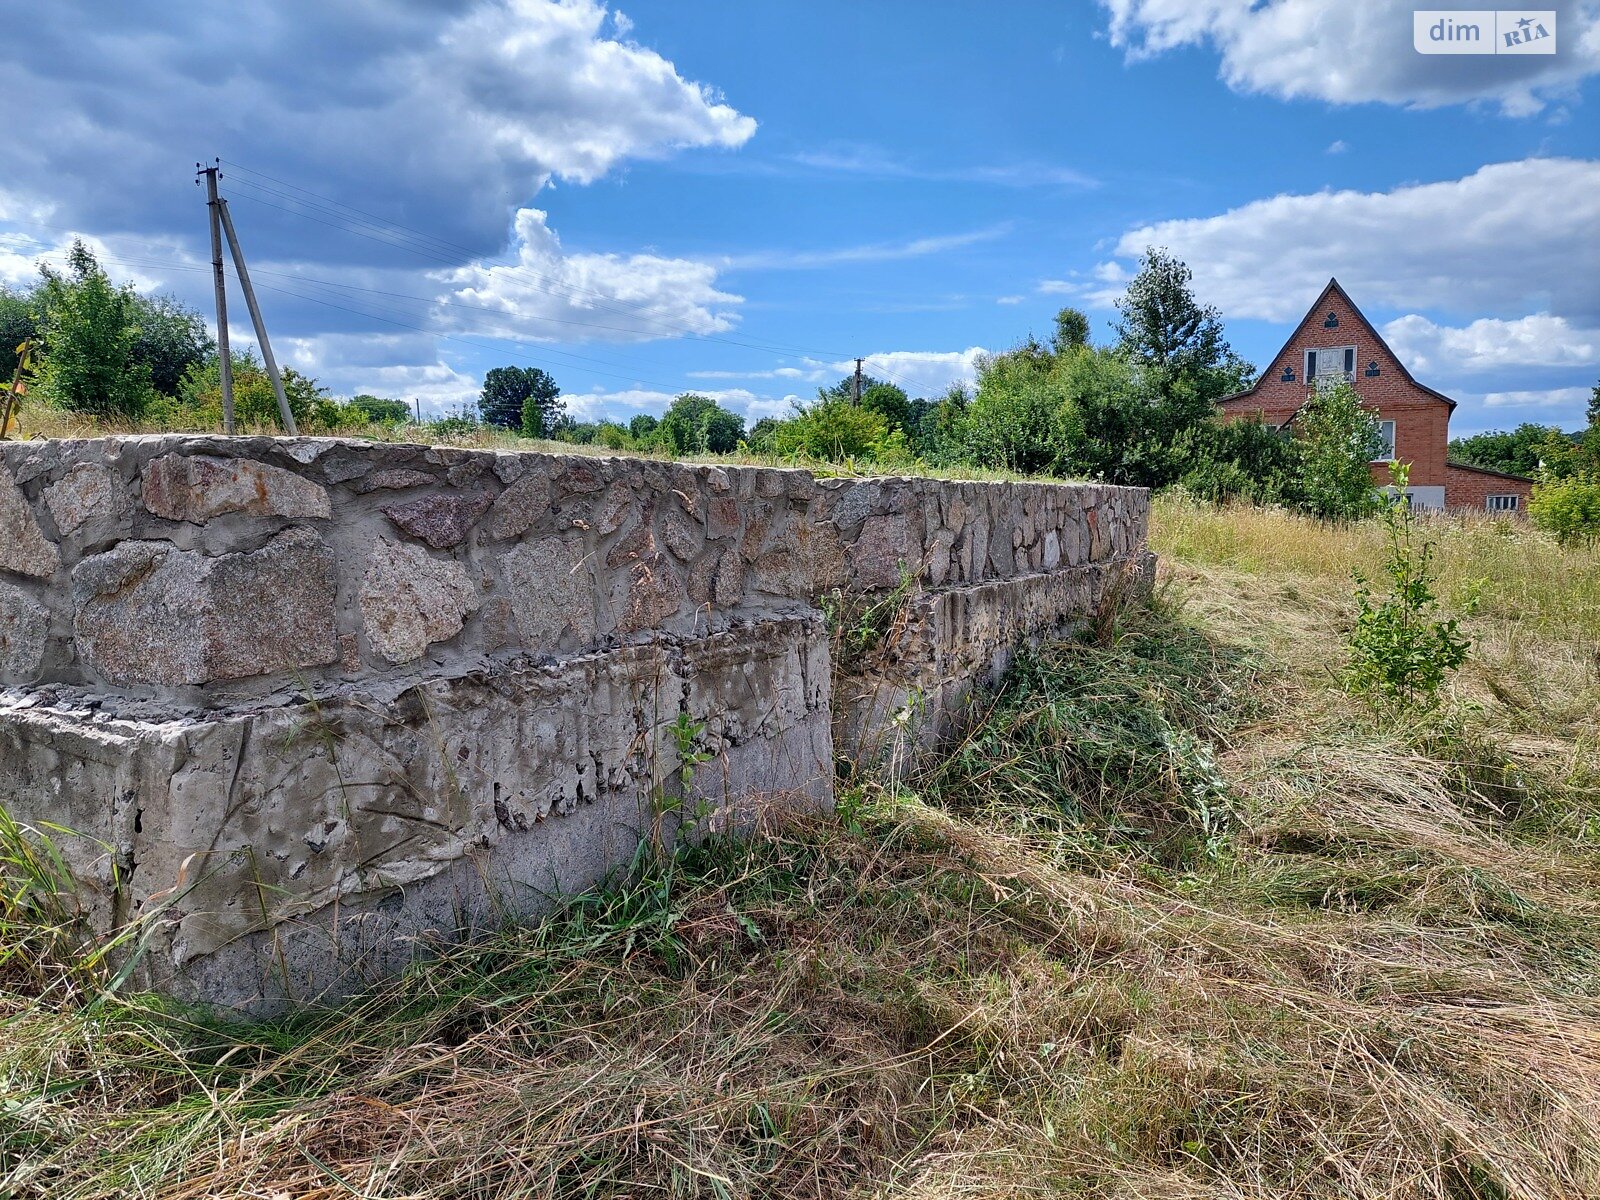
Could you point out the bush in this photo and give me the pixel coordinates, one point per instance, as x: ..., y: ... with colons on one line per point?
x: 696, y: 424
x: 1399, y: 650
x: 1339, y: 439
x: 830, y: 431
x: 1568, y: 508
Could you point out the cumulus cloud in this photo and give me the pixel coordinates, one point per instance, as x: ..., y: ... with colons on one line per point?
x: 1508, y: 239
x: 443, y: 114
x: 1355, y: 52
x: 1570, y: 399
x: 1489, y: 344
x: 550, y: 295
x: 921, y: 372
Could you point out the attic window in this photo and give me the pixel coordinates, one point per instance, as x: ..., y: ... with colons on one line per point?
x: 1329, y: 364
x: 1332, y: 321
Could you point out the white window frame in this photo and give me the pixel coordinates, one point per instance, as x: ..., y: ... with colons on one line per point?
x: 1510, y: 502
x: 1389, y: 441
x: 1316, y: 377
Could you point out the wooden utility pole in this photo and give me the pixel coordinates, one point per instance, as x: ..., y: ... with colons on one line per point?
x: 255, y: 318
x: 219, y: 286
x: 855, y: 395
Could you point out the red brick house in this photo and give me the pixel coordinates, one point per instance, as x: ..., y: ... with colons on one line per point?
x: 1335, y: 341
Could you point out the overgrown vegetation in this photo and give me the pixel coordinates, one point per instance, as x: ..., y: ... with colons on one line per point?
x: 1401, y: 648
x: 1180, y: 918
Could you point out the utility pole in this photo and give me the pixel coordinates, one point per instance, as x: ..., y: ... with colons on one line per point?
x: 255, y: 317
x: 855, y: 395
x: 218, y: 285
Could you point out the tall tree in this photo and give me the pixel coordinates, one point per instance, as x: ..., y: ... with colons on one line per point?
x: 1165, y: 329
x: 91, y: 328
x: 1072, y: 331
x: 1519, y: 452
x: 506, y: 394
x: 696, y: 424
x: 172, y: 337
x: 17, y: 324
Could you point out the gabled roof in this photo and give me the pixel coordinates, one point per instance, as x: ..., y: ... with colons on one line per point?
x: 1333, y: 288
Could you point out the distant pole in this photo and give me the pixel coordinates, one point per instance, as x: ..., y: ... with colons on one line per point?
x: 856, y: 393
x: 416, y: 404
x: 255, y: 317
x: 218, y: 285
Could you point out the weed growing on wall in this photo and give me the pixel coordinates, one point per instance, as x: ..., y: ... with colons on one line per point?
x: 1400, y: 649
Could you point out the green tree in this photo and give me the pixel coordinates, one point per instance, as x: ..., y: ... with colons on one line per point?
x: 378, y: 410
x: 255, y: 403
x: 696, y: 424
x: 643, y: 428
x: 90, y: 329
x: 17, y: 324
x: 1072, y: 331
x: 1400, y: 649
x: 1241, y: 460
x: 172, y: 337
x: 1519, y: 452
x: 1180, y: 341
x: 1339, y: 439
x: 1019, y: 419
x: 507, y: 391
x: 889, y: 402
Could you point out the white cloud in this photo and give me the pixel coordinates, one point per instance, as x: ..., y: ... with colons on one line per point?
x: 1489, y: 344
x: 1508, y: 239
x: 1571, y: 398
x: 777, y: 260
x: 1354, y: 52
x: 550, y: 295
x: 440, y: 114
x: 1009, y: 299
x: 1337, y: 147
x: 925, y: 373
x: 624, y: 403
x: 883, y: 164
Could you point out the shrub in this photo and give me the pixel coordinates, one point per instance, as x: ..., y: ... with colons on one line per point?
x: 1568, y: 508
x: 831, y: 431
x: 1339, y: 439
x: 1399, y: 649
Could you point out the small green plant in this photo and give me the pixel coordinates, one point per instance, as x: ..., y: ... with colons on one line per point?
x: 685, y: 733
x: 1400, y: 649
x: 861, y: 624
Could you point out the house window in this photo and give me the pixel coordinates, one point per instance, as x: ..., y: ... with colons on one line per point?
x: 1327, y: 365
x: 1504, y: 503
x: 1386, y: 430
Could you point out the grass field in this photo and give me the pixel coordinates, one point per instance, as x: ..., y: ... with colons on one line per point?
x: 1180, y: 918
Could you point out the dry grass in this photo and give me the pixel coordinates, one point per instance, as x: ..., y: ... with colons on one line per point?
x: 1179, y: 920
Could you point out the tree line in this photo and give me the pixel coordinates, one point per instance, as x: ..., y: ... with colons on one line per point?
x: 103, y: 350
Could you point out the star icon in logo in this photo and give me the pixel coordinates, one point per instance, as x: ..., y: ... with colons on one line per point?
x: 1524, y: 23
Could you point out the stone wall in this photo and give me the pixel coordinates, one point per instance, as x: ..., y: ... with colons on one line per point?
x: 316, y: 699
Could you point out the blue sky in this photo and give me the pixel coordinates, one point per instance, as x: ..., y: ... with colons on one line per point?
x: 739, y: 198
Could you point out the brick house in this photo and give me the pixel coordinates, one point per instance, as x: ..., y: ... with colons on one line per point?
x: 1334, y: 341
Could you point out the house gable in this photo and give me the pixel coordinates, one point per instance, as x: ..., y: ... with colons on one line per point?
x: 1420, y: 415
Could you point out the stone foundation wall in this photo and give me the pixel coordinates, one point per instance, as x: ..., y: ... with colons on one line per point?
x: 316, y: 699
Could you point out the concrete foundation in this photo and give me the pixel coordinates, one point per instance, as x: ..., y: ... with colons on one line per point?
x: 314, y: 703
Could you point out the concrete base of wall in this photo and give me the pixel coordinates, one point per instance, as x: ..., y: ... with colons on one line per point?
x: 302, y: 851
